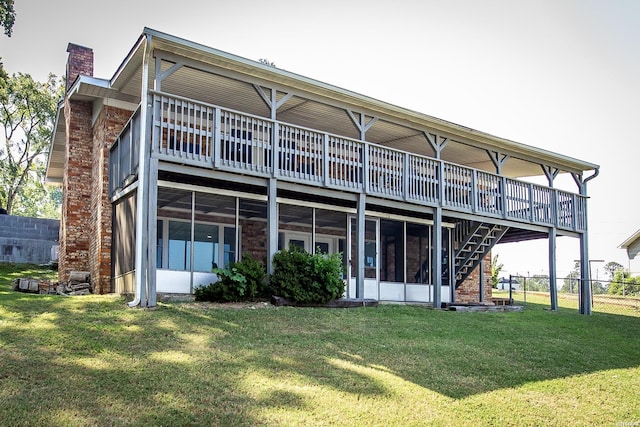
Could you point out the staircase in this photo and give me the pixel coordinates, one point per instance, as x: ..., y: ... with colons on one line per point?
x: 473, y: 240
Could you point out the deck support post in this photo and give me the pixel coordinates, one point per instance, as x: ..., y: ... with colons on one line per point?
x: 142, y: 195
x: 436, y: 259
x: 481, y: 280
x: 553, y: 289
x: 272, y: 223
x: 152, y: 226
x: 360, y: 230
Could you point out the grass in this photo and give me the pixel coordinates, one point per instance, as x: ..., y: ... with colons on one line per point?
x: 90, y: 360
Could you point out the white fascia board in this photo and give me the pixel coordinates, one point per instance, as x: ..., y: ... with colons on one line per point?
x: 635, y: 236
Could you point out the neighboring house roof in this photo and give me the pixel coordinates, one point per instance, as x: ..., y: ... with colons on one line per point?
x: 632, y: 245
x: 124, y: 89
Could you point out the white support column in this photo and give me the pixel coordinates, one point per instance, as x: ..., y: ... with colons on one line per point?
x: 272, y: 223
x: 360, y: 230
x: 152, y: 231
x: 436, y: 259
x: 142, y: 196
x: 553, y: 289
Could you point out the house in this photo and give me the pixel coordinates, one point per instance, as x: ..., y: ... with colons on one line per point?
x: 189, y: 157
x: 631, y: 246
x: 503, y: 284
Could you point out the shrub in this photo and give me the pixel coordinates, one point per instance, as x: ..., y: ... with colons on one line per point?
x: 307, y: 278
x: 231, y: 286
x: 255, y: 274
x: 242, y: 281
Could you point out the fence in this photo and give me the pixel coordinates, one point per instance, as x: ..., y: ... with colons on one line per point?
x: 613, y: 297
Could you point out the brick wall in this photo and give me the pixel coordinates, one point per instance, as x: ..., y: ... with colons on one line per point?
x: 79, y: 62
x: 469, y: 290
x: 106, y: 129
x: 76, y: 188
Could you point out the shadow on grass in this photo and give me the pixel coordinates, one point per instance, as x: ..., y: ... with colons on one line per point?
x: 98, y: 362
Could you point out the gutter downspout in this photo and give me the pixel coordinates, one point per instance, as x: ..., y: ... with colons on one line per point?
x: 143, y: 191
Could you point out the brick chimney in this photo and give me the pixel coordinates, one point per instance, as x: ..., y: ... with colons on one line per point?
x: 76, y: 182
x: 79, y: 62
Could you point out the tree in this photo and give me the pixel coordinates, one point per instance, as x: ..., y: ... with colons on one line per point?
x: 27, y: 112
x: 623, y: 284
x: 7, y: 16
x: 572, y: 281
x: 539, y: 282
x: 611, y: 268
x: 496, y: 268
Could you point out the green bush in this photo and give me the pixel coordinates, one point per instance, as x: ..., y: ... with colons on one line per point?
x: 231, y: 286
x: 242, y: 281
x: 307, y: 278
x: 255, y: 274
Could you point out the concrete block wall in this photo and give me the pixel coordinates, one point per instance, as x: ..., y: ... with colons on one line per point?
x: 27, y: 240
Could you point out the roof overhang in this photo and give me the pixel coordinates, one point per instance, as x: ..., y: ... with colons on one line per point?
x: 287, y: 79
x: 125, y: 87
x: 88, y: 89
x: 631, y: 243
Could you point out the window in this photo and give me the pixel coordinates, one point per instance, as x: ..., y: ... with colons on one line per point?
x: 179, y: 245
x: 205, y: 247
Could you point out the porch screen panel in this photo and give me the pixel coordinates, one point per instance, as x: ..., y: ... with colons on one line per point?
x: 418, y: 254
x: 295, y: 227
x: 331, y: 232
x: 124, y: 242
x: 206, y: 247
x: 253, y: 226
x: 179, y: 246
x: 391, y: 251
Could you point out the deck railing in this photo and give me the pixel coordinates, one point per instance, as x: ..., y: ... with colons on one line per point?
x: 206, y: 135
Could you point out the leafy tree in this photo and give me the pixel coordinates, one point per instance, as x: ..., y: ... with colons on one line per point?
x: 611, y: 268
x: 572, y: 281
x: 624, y: 284
x: 539, y: 282
x: 7, y: 16
x: 27, y: 112
x: 496, y: 268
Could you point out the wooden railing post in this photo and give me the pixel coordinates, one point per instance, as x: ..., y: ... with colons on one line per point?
x: 275, y: 150
x: 441, y: 190
x: 503, y: 196
x: 407, y: 175
x: 474, y: 190
x: 217, y: 143
x: 325, y: 159
x: 531, y: 202
x: 365, y: 166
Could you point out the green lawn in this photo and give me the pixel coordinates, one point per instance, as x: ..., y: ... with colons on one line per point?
x: 90, y: 360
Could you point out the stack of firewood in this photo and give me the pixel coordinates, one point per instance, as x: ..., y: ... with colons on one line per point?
x: 79, y: 284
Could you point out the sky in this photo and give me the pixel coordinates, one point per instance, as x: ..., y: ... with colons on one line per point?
x: 563, y: 75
